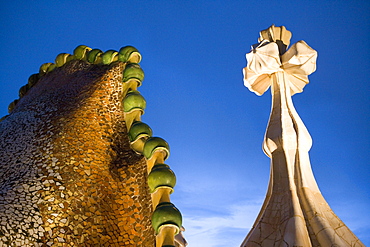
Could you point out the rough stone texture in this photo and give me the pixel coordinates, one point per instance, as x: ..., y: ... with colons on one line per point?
x: 68, y: 176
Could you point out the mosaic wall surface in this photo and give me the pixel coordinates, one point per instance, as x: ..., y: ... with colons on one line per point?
x: 68, y: 176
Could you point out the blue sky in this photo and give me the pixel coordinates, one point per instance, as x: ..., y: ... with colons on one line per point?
x: 193, y: 55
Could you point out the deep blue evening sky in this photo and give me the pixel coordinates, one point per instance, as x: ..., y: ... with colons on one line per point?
x: 193, y: 55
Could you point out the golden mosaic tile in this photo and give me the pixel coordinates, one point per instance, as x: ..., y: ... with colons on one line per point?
x: 68, y: 171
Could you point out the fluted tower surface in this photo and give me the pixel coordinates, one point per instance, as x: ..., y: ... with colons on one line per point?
x: 294, y: 212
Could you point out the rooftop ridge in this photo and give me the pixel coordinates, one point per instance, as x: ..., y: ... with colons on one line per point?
x: 166, y: 218
x: 127, y: 54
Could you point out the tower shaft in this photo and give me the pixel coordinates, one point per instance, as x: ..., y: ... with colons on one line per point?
x: 294, y: 212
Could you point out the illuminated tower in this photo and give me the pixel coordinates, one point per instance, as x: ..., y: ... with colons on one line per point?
x: 78, y: 167
x: 294, y: 213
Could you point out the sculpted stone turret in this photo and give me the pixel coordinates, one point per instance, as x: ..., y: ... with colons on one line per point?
x: 294, y: 212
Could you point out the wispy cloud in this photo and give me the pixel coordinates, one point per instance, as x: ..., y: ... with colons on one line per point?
x: 225, y: 230
x: 228, y: 229
x: 219, y: 206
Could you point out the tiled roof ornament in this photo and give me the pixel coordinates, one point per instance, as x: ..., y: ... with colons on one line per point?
x: 156, y: 144
x: 167, y: 222
x: 294, y: 212
x: 129, y: 54
x: 109, y: 57
x: 94, y: 56
x: 134, y: 101
x: 138, y: 134
x: 81, y: 51
x: 161, y: 180
x: 133, y: 71
x: 134, y: 105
